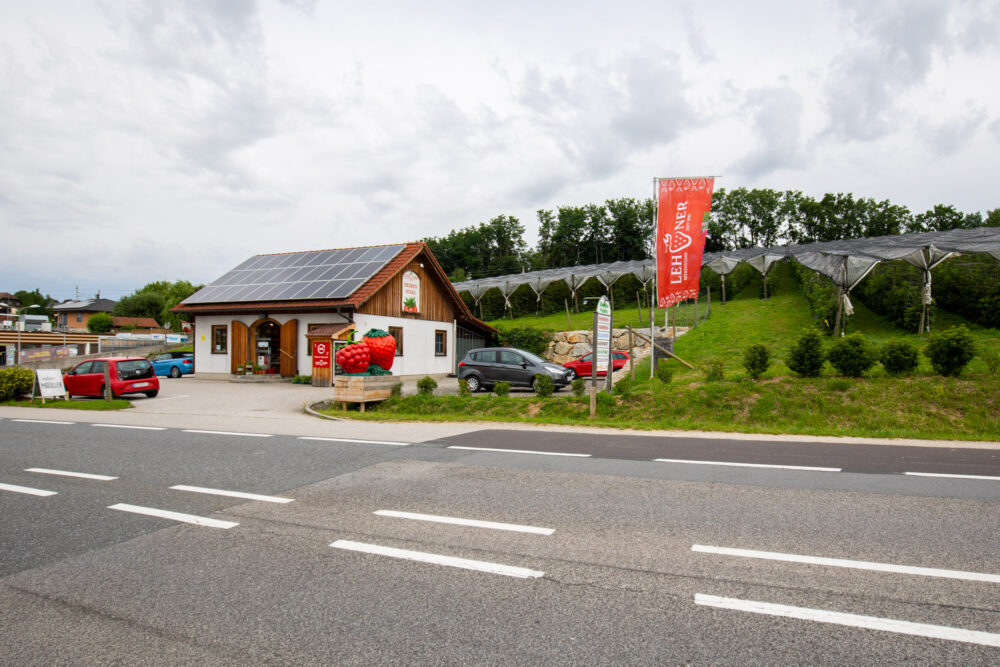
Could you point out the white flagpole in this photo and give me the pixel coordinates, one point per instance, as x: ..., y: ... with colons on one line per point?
x: 656, y: 283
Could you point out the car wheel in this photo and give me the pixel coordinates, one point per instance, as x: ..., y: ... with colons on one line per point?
x: 175, y: 372
x: 570, y: 375
x: 473, y: 383
x: 152, y: 394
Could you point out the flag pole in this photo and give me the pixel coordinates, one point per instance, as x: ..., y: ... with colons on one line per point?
x: 656, y: 283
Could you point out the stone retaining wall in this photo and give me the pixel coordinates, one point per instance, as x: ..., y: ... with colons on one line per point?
x: 568, y: 345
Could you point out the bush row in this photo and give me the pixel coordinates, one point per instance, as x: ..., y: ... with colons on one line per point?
x: 15, y: 382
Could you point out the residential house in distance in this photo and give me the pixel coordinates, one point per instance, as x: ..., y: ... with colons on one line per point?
x: 137, y: 325
x: 72, y: 316
x: 8, y: 303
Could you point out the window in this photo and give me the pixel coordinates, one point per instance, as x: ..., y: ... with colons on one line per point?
x: 220, y: 342
x: 397, y: 333
x: 440, y: 343
x: 79, y: 317
x: 507, y: 357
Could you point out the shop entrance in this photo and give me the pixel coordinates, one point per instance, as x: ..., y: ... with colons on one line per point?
x: 266, y: 341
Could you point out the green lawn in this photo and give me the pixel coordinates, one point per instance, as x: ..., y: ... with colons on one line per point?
x: 96, y: 404
x: 922, y: 405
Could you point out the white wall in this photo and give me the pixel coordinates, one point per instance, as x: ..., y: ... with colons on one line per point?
x: 418, y: 341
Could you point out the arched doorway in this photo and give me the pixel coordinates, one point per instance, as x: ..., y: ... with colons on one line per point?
x: 265, y: 342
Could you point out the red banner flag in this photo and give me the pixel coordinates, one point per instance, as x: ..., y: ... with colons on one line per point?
x: 681, y: 206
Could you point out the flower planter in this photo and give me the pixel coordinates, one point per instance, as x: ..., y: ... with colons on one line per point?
x: 363, y: 388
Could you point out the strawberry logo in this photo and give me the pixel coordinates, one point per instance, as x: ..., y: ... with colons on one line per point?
x: 676, y: 242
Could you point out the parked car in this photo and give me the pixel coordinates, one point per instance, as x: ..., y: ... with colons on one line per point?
x: 129, y: 375
x: 582, y: 367
x: 483, y: 367
x: 174, y: 364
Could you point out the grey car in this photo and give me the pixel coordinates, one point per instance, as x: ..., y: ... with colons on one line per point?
x: 483, y: 367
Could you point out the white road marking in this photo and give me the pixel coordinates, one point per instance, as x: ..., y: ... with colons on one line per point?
x: 66, y: 473
x: 748, y: 465
x: 175, y: 516
x: 362, y: 442
x: 467, y: 522
x: 232, y: 494
x: 851, y: 620
x: 26, y: 489
x: 138, y: 428
x: 40, y: 421
x: 941, y: 474
x: 852, y: 564
x: 252, y: 435
x: 516, y: 451
x: 437, y: 559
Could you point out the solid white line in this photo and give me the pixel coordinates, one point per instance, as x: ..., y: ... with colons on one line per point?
x: 516, y: 451
x: 40, y: 421
x: 362, y: 442
x: 436, y: 559
x: 65, y: 473
x: 232, y: 494
x: 851, y: 620
x: 467, y: 522
x: 852, y: 564
x: 941, y: 474
x: 748, y: 465
x: 252, y: 435
x: 139, y: 428
x: 175, y: 516
x: 26, y: 489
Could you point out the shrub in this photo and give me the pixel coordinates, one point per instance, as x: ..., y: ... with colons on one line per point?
x: 100, y: 323
x: 501, y: 388
x: 426, y: 385
x: 525, y: 338
x: 950, y: 351
x: 756, y: 359
x: 806, y: 356
x: 463, y: 388
x: 852, y: 355
x: 544, y: 385
x: 899, y: 358
x: 578, y: 387
x: 15, y: 382
x: 714, y: 371
x: 664, y: 373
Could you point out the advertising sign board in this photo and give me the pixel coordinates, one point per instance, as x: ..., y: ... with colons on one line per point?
x: 50, y: 383
x: 321, y: 354
x: 602, y: 335
x: 411, y: 292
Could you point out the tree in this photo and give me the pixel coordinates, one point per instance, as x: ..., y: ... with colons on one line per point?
x: 941, y: 218
x: 140, y: 304
x: 34, y: 297
x: 992, y: 218
x: 156, y: 300
x: 99, y: 323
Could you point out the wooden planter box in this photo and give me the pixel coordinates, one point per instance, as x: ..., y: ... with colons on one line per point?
x: 362, y: 388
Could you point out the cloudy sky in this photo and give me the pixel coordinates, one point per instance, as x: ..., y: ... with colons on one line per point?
x: 150, y: 140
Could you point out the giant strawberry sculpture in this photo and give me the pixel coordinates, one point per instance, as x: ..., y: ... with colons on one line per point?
x: 354, y: 358
x: 382, y: 346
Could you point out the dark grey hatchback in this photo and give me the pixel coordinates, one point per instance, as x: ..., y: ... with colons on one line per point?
x: 485, y: 366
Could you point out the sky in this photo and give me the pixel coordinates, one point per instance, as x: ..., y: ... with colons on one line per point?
x: 144, y: 141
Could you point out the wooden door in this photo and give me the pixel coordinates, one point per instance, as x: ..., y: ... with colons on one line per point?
x: 289, y: 346
x: 240, y: 340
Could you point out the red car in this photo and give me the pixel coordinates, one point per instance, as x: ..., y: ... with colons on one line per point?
x: 582, y: 367
x: 129, y: 375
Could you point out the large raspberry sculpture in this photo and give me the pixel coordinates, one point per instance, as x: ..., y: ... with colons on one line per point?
x: 354, y: 358
x: 382, y: 346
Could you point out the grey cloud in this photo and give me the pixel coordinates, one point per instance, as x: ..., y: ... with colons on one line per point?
x: 952, y: 136
x: 777, y: 114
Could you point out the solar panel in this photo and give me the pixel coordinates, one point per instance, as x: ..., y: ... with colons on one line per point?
x: 317, y: 274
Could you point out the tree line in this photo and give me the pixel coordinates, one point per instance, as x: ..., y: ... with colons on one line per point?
x: 622, y: 229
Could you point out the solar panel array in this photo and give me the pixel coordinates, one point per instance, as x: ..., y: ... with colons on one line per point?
x: 319, y: 274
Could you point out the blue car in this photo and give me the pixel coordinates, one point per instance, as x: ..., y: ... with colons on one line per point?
x: 170, y: 363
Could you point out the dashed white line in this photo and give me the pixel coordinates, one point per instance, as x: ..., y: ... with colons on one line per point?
x: 941, y: 474
x: 851, y: 620
x: 174, y: 516
x: 40, y: 421
x: 232, y: 494
x: 851, y: 564
x: 361, y: 442
x: 66, y: 473
x: 437, y: 559
x: 517, y: 451
x: 251, y: 435
x: 26, y: 489
x: 138, y: 428
x: 748, y: 465
x: 466, y: 522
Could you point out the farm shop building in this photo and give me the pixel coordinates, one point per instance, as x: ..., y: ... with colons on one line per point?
x: 263, y: 311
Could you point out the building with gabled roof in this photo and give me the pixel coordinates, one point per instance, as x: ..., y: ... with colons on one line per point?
x: 263, y: 311
x: 73, y: 315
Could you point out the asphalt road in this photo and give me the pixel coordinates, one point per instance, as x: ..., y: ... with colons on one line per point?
x: 606, y: 556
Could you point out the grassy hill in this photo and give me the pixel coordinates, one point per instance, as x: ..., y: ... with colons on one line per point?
x: 923, y: 405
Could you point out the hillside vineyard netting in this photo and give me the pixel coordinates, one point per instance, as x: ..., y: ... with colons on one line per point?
x: 845, y: 262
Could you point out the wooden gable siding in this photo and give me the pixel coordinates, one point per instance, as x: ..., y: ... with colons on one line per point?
x: 388, y: 300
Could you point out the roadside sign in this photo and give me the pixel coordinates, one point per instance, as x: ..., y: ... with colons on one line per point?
x: 50, y: 383
x: 602, y: 338
x: 321, y: 354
